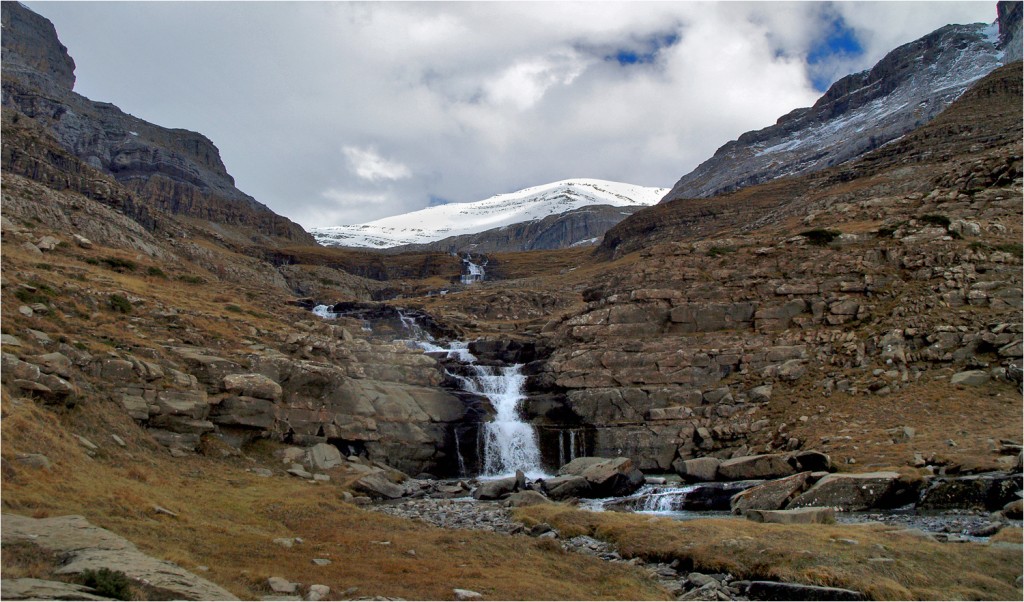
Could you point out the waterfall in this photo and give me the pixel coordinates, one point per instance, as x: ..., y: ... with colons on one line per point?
x: 324, y: 311
x: 509, y: 443
x: 474, y: 271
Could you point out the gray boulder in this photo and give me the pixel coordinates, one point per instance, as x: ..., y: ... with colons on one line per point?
x: 764, y: 466
x: 771, y: 495
x: 252, y: 385
x: 989, y: 491
x: 697, y: 469
x: 324, y: 456
x: 863, y: 491
x: 796, y: 516
x: 607, y: 477
x: 87, y: 547
x: 495, y: 489
x: 377, y: 485
x: 563, y: 488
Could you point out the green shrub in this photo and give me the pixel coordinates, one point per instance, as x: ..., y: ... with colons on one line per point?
x: 233, y: 308
x: 116, y: 263
x: 719, y: 251
x: 120, y: 303
x: 45, y: 266
x: 936, y: 220
x: 155, y: 272
x: 191, y: 279
x: 108, y: 583
x: 820, y: 236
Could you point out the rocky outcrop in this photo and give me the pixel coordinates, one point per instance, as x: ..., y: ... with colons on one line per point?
x: 858, y: 113
x: 174, y: 170
x: 87, y: 547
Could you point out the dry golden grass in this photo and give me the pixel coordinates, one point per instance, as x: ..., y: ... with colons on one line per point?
x: 974, y: 418
x: 812, y: 554
x: 227, y: 520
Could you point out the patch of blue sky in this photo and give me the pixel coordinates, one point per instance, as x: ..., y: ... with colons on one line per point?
x: 434, y: 201
x: 645, y: 51
x: 839, y: 44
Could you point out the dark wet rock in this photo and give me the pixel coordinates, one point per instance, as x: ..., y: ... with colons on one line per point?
x: 495, y: 489
x: 989, y: 491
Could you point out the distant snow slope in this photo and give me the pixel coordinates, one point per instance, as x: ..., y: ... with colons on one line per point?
x: 530, y: 204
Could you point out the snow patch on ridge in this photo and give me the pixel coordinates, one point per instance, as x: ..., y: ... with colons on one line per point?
x: 454, y: 219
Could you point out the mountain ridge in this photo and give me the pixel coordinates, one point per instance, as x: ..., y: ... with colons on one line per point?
x: 907, y: 88
x: 176, y: 170
x: 500, y: 211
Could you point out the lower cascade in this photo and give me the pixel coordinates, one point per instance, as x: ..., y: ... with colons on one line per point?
x: 509, y: 443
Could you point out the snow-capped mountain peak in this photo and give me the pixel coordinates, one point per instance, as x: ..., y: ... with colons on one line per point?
x: 454, y: 219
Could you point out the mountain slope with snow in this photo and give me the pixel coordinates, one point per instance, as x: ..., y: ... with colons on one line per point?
x: 906, y: 89
x: 457, y: 219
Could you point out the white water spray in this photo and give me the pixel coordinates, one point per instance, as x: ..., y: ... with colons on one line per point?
x: 474, y: 272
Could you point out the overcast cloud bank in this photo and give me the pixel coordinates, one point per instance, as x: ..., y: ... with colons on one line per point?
x: 337, y: 113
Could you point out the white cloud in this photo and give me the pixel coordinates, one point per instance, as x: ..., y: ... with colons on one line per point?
x: 368, y: 165
x: 467, y: 99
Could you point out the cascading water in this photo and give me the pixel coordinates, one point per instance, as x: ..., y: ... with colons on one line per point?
x: 509, y: 443
x: 474, y: 271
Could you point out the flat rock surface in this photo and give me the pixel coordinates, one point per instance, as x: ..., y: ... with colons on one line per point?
x: 40, y: 589
x: 90, y: 547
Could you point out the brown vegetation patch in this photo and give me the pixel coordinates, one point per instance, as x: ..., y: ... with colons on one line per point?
x: 878, y: 560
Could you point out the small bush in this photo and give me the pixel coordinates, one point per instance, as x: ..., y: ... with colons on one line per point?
x: 191, y: 279
x: 155, y: 272
x: 936, y: 220
x: 233, y: 308
x: 120, y: 304
x: 45, y: 266
x: 116, y: 263
x: 1013, y: 248
x: 820, y: 236
x: 719, y: 251
x: 92, y: 261
x: 112, y: 584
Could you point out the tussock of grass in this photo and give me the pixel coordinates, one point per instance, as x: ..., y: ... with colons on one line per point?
x: 919, y: 569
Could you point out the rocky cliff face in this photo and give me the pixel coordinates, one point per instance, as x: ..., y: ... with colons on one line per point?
x: 172, y: 169
x: 868, y: 280
x: 583, y: 226
x: 861, y: 112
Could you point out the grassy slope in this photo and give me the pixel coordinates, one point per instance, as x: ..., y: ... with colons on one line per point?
x: 831, y: 555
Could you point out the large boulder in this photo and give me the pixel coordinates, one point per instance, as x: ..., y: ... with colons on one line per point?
x: 764, y: 466
x: 376, y: 484
x: 608, y: 477
x: 989, y: 491
x: 563, y: 488
x: 697, y: 469
x: 863, y: 491
x: 252, y: 385
x: 323, y: 456
x: 495, y: 489
x: 795, y: 516
x: 810, y: 460
x: 770, y: 495
x: 83, y: 547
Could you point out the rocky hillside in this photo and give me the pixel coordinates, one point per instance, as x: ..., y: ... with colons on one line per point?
x: 860, y: 112
x: 175, y: 170
x: 875, y: 281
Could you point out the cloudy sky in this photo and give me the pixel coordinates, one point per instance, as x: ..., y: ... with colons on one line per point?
x: 339, y: 113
